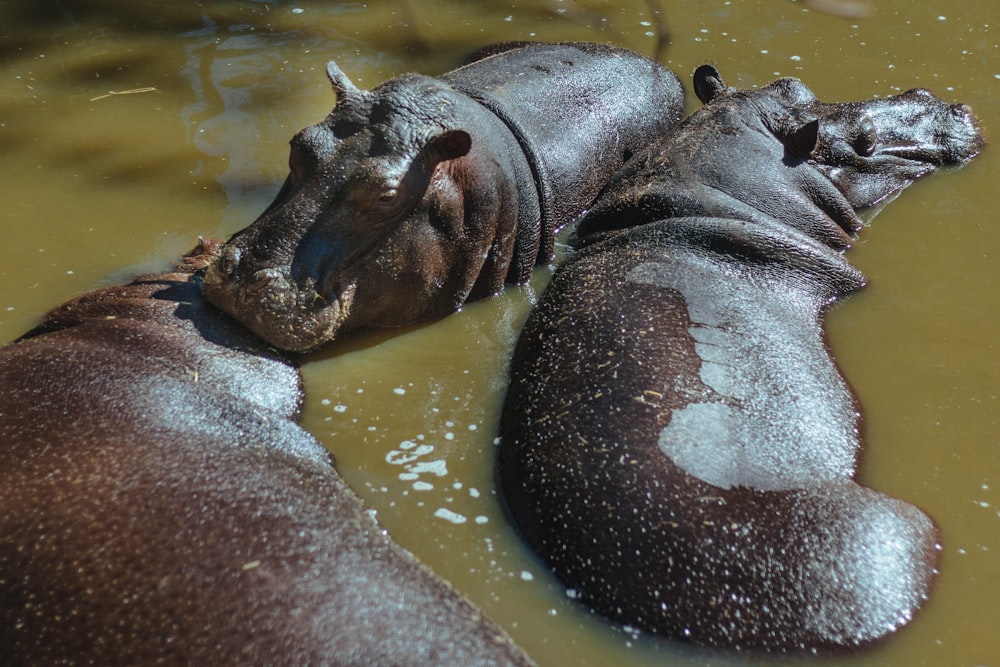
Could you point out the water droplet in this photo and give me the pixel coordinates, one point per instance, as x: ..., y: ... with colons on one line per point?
x: 448, y: 515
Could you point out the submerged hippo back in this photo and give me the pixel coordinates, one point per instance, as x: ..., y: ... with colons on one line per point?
x: 160, y: 503
x: 678, y: 445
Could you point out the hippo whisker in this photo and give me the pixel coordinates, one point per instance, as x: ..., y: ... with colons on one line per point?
x: 265, y: 279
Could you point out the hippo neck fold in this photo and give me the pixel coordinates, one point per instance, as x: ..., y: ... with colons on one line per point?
x: 806, y: 264
x: 798, y: 199
x: 533, y: 231
x: 578, y: 112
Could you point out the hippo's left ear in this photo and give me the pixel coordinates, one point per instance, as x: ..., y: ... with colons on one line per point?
x: 802, y: 140
x: 343, y: 87
x: 707, y: 83
x: 448, y: 145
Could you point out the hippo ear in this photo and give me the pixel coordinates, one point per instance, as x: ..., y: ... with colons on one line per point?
x: 708, y: 83
x: 343, y: 87
x: 449, y: 145
x: 802, y: 141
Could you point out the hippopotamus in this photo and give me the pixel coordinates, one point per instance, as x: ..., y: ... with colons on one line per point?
x: 159, y: 502
x: 677, y: 443
x: 424, y: 193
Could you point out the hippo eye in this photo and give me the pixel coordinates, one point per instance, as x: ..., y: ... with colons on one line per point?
x: 864, y: 144
x: 388, y: 195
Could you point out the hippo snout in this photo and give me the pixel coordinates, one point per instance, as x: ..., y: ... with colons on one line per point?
x: 230, y: 273
x: 263, y: 280
x: 288, y: 315
x: 953, y: 127
x: 966, y: 140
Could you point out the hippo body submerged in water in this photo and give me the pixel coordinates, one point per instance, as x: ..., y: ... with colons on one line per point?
x: 677, y: 443
x: 425, y: 193
x: 160, y: 503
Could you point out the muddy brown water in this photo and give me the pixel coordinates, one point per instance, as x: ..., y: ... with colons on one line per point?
x: 127, y: 131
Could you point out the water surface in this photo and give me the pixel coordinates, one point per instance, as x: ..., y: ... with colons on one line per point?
x: 127, y: 131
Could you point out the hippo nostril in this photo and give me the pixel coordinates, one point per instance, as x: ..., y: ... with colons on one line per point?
x: 229, y: 260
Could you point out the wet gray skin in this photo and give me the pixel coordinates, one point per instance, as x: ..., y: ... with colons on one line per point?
x: 424, y: 193
x: 677, y: 442
x: 174, y: 511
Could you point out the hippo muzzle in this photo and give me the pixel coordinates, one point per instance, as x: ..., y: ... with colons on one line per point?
x: 871, y: 151
x: 289, y: 314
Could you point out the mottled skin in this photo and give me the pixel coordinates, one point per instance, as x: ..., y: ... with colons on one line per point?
x: 160, y: 503
x: 424, y: 193
x: 677, y: 443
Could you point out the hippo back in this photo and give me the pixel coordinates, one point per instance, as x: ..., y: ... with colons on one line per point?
x: 160, y: 503
x: 576, y: 128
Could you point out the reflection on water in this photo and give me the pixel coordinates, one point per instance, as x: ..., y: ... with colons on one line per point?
x: 98, y: 187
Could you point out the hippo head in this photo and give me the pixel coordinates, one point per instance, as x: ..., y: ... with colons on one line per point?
x: 872, y: 150
x: 869, y: 151
x: 777, y: 155
x: 376, y: 223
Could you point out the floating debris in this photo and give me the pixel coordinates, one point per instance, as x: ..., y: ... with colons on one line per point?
x: 133, y: 91
x: 848, y: 9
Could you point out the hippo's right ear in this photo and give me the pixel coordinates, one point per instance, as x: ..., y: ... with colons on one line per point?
x: 707, y: 83
x: 802, y: 140
x: 448, y: 145
x: 343, y: 87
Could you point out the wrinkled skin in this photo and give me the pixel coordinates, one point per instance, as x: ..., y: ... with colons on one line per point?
x: 422, y: 194
x: 677, y: 443
x: 160, y: 503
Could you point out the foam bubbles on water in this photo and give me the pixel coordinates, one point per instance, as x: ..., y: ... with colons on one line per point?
x: 438, y: 468
x: 407, y: 453
x: 448, y: 515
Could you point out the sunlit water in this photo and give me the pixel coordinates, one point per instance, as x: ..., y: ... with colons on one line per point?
x: 128, y: 131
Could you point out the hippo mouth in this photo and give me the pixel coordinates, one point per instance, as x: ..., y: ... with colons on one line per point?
x: 289, y: 316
